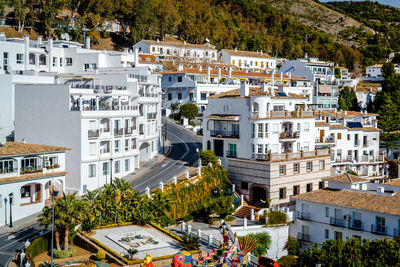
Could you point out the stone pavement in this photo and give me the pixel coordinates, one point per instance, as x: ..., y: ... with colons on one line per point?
x: 19, y: 224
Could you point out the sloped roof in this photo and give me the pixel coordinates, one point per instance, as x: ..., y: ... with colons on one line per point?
x: 240, y: 53
x: 15, y: 148
x: 346, y: 178
x: 180, y: 44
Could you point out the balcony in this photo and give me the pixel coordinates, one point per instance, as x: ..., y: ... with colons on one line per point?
x: 303, y: 216
x: 337, y: 222
x: 293, y: 155
x: 221, y: 133
x: 231, y: 154
x: 93, y: 133
x: 344, y: 159
x: 356, y: 224
x: 378, y: 229
x: 325, y: 140
x: 289, y: 136
x: 118, y: 131
x: 356, y: 142
x: 152, y: 116
x: 31, y: 169
x: 104, y: 150
x: 128, y: 130
x: 8, y: 170
x: 303, y: 237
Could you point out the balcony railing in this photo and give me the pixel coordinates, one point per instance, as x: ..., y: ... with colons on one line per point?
x: 31, y: 169
x: 289, y: 135
x: 128, y: 130
x: 344, y: 159
x: 378, y: 229
x: 292, y: 155
x: 356, y: 142
x: 105, y: 130
x: 356, y: 224
x: 93, y: 133
x: 303, y: 216
x: 337, y: 222
x: 330, y: 139
x: 231, y: 154
x: 303, y: 237
x: 104, y: 150
x: 234, y: 134
x: 8, y: 170
x: 118, y: 131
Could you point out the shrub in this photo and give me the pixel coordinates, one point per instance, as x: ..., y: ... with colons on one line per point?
x: 287, y: 261
x: 188, y: 218
x: 263, y: 241
x: 221, y: 205
x: 352, y: 172
x: 61, y: 254
x: 101, y: 255
x: 208, y: 156
x: 276, y: 217
x: 189, y: 111
x: 229, y: 218
x: 39, y: 245
x: 292, y: 246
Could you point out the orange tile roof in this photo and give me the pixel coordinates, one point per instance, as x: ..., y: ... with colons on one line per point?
x: 321, y: 123
x: 15, y: 148
x: 30, y: 176
x: 365, y: 129
x: 148, y: 58
x: 180, y: 44
x: 236, y: 93
x: 346, y: 178
x: 337, y: 126
x: 355, y: 199
x: 242, y: 53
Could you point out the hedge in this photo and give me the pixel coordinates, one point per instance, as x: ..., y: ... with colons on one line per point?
x: 62, y: 254
x: 38, y: 246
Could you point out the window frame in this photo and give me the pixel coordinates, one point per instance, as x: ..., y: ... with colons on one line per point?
x: 284, y: 170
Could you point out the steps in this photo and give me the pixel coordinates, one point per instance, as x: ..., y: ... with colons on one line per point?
x: 245, y: 211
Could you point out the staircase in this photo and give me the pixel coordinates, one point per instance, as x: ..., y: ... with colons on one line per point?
x: 245, y: 211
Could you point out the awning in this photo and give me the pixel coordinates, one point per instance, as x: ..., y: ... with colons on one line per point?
x: 324, y: 89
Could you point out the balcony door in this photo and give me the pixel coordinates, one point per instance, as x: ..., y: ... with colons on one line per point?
x: 219, y: 148
x: 338, y: 214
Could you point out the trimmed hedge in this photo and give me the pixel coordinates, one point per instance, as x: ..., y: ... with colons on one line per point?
x: 61, y: 254
x: 38, y: 246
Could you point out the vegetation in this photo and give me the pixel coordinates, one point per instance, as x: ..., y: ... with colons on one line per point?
x: 287, y: 261
x: 61, y: 254
x: 38, y: 246
x: 263, y: 241
x: 352, y: 172
x: 348, y: 100
x: 292, y: 246
x: 389, y: 141
x: 189, y: 111
x: 353, y: 252
x: 276, y: 217
x: 190, y: 242
x: 101, y: 255
x: 208, y: 156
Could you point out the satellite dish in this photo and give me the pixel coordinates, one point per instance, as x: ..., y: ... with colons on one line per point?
x: 65, y: 36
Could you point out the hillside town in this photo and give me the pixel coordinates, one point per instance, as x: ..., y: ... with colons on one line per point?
x: 171, y: 152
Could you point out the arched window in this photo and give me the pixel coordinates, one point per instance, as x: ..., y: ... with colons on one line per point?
x: 42, y: 59
x: 32, y: 59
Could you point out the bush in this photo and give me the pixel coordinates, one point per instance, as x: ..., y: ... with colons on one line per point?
x: 208, y: 156
x: 221, y: 205
x: 38, y: 246
x: 188, y: 218
x: 263, y: 241
x: 351, y: 172
x: 61, y: 254
x: 276, y: 217
x: 287, y: 261
x: 229, y: 218
x: 292, y: 246
x: 101, y: 255
x: 189, y: 111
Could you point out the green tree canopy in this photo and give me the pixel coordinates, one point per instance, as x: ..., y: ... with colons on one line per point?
x: 189, y: 111
x: 348, y: 100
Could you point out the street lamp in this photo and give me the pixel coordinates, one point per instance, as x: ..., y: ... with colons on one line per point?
x: 111, y: 161
x: 53, y: 194
x: 5, y: 210
x: 11, y: 196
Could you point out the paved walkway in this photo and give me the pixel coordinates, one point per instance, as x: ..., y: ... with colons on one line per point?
x: 19, y: 224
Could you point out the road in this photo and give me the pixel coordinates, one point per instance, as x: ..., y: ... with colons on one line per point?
x: 11, y: 243
x: 182, y: 156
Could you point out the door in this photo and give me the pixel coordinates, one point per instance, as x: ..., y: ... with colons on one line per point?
x: 321, y: 135
x: 219, y: 148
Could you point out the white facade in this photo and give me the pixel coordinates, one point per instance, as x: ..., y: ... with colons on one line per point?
x: 178, y: 49
x: 27, y: 176
x: 110, y: 121
x: 257, y: 61
x: 367, y: 210
x: 374, y: 72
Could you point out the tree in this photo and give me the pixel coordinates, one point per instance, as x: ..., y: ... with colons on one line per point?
x: 263, y: 241
x: 174, y: 106
x: 396, y: 59
x: 348, y: 100
x: 337, y: 73
x: 342, y: 104
x: 143, y: 21
x: 389, y: 141
x: 20, y: 11
x: 389, y: 116
x: 189, y: 111
x: 167, y: 16
x: 190, y: 242
x: 208, y: 156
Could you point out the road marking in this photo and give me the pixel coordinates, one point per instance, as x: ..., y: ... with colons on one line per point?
x: 165, y: 164
x: 10, y: 237
x: 20, y: 240
x: 163, y: 170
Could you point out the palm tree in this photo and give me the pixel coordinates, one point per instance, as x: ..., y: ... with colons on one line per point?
x: 190, y: 242
x: 45, y: 221
x: 143, y: 214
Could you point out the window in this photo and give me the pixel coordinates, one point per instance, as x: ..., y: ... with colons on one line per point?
x: 326, y: 234
x: 244, y: 185
x: 133, y: 143
x: 266, y: 130
x: 321, y: 185
x: 127, y: 165
x: 380, y: 224
x: 54, y: 61
x: 86, y: 66
x: 105, y: 168
x: 309, y: 166
x: 169, y: 78
x: 326, y: 211
x: 191, y: 96
x: 92, y: 149
x: 259, y: 149
x: 348, y: 137
x: 282, y: 169
x: 253, y: 130
x: 322, y: 164
x: 26, y: 191
x: 117, y: 166
x: 179, y: 96
x: 306, y: 146
x: 153, y: 49
x: 68, y: 61
x: 306, y: 126
x: 126, y: 144
x: 266, y: 149
x: 309, y: 188
x: 259, y: 130
x: 92, y: 170
x: 233, y: 62
x: 339, y: 136
x: 116, y: 146
x: 296, y: 168
x: 169, y: 97
x: 20, y: 58
x: 179, y: 79
x: 338, y: 235
x: 282, y: 193
x: 296, y: 190
x: 203, y: 96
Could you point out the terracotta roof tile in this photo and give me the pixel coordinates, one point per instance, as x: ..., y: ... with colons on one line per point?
x: 148, y: 58
x: 30, y: 176
x: 321, y: 123
x: 346, y: 178
x: 242, y: 53
x: 15, y: 148
x: 337, y: 126
x: 180, y: 44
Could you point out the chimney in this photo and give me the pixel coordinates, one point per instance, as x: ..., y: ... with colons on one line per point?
x: 290, y: 75
x: 230, y: 73
x: 264, y: 86
x: 184, y: 42
x: 136, y: 57
x: 158, y: 40
x: 87, y: 42
x: 235, y: 49
x: 23, y: 140
x: 244, y: 88
x: 380, y: 189
x: 2, y: 141
x: 180, y: 67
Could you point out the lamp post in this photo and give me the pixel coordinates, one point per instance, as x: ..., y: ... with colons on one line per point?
x: 111, y: 161
x: 53, y: 194
x: 11, y: 196
x: 5, y: 211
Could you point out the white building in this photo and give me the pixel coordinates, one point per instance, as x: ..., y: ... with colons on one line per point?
x: 349, y: 207
x: 28, y: 175
x: 354, y: 139
x: 366, y: 93
x: 178, y: 50
x: 265, y: 138
x: 374, y: 72
x: 111, y: 121
x: 190, y: 85
x: 255, y: 61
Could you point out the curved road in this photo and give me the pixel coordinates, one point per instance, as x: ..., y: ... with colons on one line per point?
x: 182, y: 156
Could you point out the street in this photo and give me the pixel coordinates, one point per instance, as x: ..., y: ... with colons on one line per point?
x: 182, y: 156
